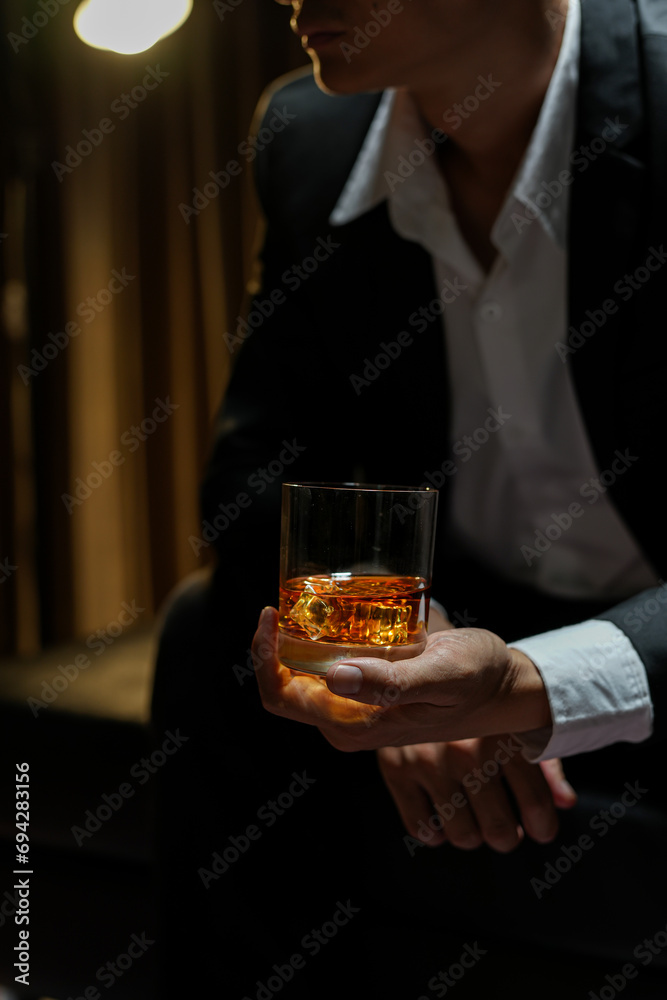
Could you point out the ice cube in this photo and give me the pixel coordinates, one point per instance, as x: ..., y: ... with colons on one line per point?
x: 381, y: 624
x: 314, y: 611
x: 321, y: 585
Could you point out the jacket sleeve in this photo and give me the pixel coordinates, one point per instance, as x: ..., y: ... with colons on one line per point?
x: 643, y: 619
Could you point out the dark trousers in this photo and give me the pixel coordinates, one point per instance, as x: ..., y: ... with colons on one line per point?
x: 284, y: 867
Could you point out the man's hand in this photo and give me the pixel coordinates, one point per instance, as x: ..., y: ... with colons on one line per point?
x: 467, y: 683
x: 455, y: 792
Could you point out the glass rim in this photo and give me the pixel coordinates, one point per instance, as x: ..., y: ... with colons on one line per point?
x: 365, y: 487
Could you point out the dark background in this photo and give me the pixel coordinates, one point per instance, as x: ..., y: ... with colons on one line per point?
x: 162, y: 336
x: 66, y: 575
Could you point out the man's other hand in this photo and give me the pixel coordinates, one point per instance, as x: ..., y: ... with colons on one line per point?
x: 474, y: 792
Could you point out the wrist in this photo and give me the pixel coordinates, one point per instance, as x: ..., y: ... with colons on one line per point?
x: 526, y: 696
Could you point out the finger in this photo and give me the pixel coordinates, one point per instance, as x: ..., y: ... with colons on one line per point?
x: 495, y: 816
x: 449, y: 814
x: 294, y: 696
x: 416, y: 810
x: 265, y: 661
x: 460, y: 823
x: 437, y: 622
x: 414, y: 776
x: 303, y: 697
x: 564, y: 795
x: 534, y: 799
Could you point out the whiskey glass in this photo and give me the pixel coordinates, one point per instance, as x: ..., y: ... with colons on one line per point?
x: 355, y: 572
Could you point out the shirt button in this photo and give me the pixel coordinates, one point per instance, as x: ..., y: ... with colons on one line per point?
x: 491, y: 312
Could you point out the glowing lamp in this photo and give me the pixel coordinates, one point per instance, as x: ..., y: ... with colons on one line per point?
x: 128, y: 26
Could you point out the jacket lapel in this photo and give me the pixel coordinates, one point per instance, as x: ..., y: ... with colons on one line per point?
x: 605, y: 206
x: 618, y: 220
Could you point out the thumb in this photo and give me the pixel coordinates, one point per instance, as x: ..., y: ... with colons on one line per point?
x: 373, y: 681
x: 439, y: 675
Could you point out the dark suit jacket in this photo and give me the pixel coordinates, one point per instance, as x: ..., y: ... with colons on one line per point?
x: 292, y: 412
x: 292, y: 382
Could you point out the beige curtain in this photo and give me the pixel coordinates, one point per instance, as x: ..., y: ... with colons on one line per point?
x: 115, y: 304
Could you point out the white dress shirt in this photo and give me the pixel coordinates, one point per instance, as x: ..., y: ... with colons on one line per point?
x: 512, y: 494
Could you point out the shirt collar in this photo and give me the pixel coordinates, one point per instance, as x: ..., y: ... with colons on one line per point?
x: 396, y: 124
x: 392, y: 167
x: 549, y: 150
x: 365, y: 187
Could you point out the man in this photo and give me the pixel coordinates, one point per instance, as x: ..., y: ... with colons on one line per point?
x: 464, y: 261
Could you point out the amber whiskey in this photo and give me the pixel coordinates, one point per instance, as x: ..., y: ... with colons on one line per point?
x: 327, y: 618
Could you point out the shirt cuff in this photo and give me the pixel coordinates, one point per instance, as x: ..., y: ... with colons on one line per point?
x: 597, y: 688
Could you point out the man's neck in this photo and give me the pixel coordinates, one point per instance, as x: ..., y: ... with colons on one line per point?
x: 488, y: 104
x: 489, y: 101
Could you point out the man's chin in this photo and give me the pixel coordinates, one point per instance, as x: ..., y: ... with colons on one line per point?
x: 338, y: 80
